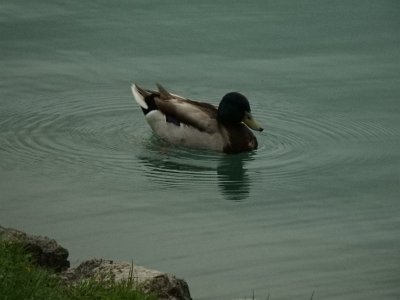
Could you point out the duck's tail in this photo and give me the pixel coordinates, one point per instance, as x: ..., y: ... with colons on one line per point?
x: 140, y: 94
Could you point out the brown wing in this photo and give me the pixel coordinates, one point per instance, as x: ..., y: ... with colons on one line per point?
x: 202, y: 116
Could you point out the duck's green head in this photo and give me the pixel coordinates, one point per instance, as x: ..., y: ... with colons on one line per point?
x: 234, y: 108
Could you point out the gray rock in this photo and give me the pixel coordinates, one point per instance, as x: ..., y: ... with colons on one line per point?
x: 45, y: 252
x: 165, y: 286
x: 49, y: 254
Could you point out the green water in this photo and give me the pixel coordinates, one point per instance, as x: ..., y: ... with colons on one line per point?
x: 315, y: 208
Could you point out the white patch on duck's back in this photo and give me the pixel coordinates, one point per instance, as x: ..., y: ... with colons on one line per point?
x: 183, y: 134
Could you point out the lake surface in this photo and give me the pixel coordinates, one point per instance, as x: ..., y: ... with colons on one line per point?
x: 315, y: 209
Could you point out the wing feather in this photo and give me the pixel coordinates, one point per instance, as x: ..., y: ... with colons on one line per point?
x: 202, y: 116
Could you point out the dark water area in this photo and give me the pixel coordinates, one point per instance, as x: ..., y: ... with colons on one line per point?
x: 315, y: 208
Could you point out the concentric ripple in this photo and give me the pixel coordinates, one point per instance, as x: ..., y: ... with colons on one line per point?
x: 100, y: 136
x: 295, y: 144
x: 106, y: 134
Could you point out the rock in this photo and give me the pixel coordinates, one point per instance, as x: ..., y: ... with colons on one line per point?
x: 45, y: 252
x: 165, y: 286
x: 49, y: 254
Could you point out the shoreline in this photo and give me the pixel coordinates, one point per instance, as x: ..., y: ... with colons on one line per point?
x: 49, y: 254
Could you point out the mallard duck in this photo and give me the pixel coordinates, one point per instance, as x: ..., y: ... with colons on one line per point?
x: 185, y: 122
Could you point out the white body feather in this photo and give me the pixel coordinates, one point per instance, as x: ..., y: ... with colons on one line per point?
x: 183, y: 134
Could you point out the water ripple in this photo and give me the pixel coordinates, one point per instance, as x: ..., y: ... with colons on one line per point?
x: 115, y: 138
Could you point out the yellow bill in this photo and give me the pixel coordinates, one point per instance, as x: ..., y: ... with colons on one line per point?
x: 251, y: 123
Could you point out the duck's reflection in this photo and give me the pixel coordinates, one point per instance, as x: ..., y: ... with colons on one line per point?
x: 233, y: 180
x: 231, y: 172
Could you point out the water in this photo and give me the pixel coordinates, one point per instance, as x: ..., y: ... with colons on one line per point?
x: 315, y: 208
